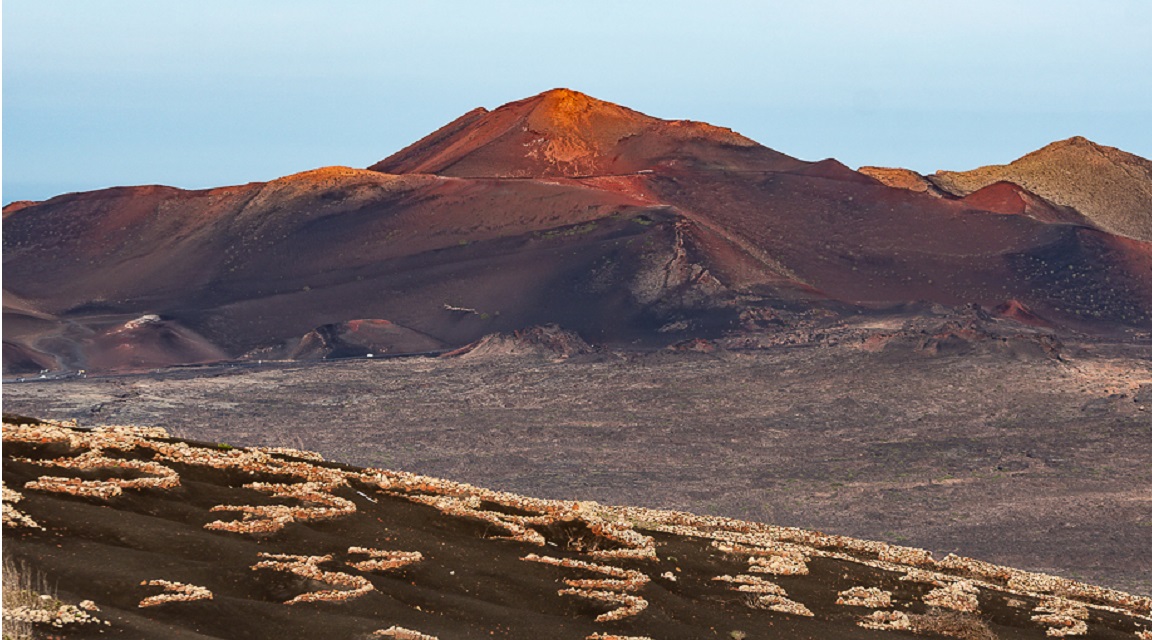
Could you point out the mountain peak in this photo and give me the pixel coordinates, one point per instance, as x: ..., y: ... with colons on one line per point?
x: 562, y: 132
x: 565, y: 92
x: 572, y: 112
x: 1111, y: 187
x: 567, y: 97
x: 1075, y: 143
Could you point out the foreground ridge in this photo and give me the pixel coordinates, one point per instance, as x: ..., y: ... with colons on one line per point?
x: 447, y: 559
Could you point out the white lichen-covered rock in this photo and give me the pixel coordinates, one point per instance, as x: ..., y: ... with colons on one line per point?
x: 870, y: 597
x: 778, y: 565
x: 13, y: 517
x: 309, y: 567
x: 782, y: 604
x: 400, y: 633
x: 886, y: 621
x: 174, y: 592
x: 51, y: 612
x: 1062, y: 617
x: 958, y: 596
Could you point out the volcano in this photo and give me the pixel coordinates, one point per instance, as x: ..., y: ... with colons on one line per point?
x: 1112, y: 188
x: 566, y: 133
x: 557, y: 209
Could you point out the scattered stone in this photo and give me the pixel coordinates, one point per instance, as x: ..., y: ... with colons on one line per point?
x: 886, y: 621
x: 871, y: 597
x: 308, y: 567
x: 173, y: 592
x: 400, y: 633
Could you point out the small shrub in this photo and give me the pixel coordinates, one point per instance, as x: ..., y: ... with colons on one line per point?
x: 22, y: 588
x: 965, y: 626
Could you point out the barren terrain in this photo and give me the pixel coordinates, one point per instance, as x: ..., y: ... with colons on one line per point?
x: 1109, y: 186
x: 147, y: 536
x: 559, y: 208
x: 1025, y: 460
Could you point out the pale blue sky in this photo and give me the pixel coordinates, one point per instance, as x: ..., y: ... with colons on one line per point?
x: 212, y: 92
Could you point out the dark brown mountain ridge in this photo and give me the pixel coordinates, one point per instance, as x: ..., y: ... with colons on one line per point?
x: 559, y: 208
x: 1112, y: 188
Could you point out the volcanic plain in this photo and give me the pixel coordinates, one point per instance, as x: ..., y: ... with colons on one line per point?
x: 1012, y: 456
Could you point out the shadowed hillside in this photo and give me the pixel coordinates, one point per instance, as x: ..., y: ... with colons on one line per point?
x: 148, y: 536
x: 557, y: 209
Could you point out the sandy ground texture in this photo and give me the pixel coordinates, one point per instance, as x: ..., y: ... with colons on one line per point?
x: 1028, y: 461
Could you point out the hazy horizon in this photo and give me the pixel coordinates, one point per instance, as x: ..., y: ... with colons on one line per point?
x: 212, y: 93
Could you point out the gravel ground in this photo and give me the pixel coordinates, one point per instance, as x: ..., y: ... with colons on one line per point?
x: 1020, y: 460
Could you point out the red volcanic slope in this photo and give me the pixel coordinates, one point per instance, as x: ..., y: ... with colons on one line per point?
x: 1012, y: 199
x: 1020, y: 313
x: 901, y: 178
x: 362, y: 337
x: 566, y: 133
x: 257, y: 267
x: 873, y: 244
x: 555, y: 209
x: 821, y: 225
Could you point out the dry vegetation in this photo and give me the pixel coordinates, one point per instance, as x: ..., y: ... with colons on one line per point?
x: 30, y: 604
x: 610, y: 556
x: 1108, y: 185
x: 964, y: 626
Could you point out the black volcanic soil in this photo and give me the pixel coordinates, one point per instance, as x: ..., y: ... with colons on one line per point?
x: 1013, y: 457
x: 468, y: 580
